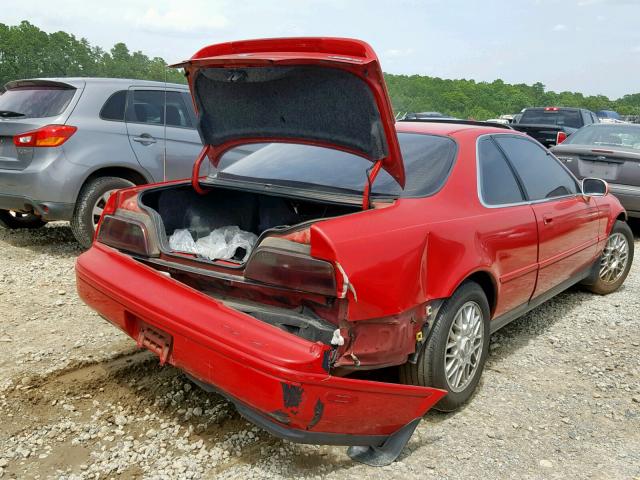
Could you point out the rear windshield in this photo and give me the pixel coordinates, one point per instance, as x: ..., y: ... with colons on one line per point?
x: 607, y: 136
x: 35, y: 102
x: 567, y: 118
x: 608, y: 114
x: 427, y: 162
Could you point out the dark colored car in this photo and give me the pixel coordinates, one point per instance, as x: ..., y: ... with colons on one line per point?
x: 425, y: 115
x: 610, y: 151
x: 608, y: 115
x: 377, y: 244
x: 551, y: 125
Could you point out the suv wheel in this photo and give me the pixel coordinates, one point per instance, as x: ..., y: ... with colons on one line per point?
x: 11, y: 219
x: 91, y: 202
x: 456, y: 350
x: 613, y: 265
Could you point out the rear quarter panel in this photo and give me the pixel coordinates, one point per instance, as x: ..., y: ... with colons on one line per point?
x: 422, y: 249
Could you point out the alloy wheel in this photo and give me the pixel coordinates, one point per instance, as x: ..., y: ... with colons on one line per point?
x: 614, y: 258
x: 464, y: 346
x: 98, y: 207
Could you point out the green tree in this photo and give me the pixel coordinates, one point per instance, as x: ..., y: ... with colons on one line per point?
x: 27, y: 52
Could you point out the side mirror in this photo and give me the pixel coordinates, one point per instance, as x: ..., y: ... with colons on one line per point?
x: 594, y: 187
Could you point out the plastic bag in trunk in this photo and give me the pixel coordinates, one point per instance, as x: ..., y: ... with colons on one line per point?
x: 224, y: 243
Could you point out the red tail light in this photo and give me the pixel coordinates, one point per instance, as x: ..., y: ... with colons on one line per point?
x: 49, y: 136
x: 125, y: 226
x: 561, y: 137
x: 551, y: 109
x: 291, y: 269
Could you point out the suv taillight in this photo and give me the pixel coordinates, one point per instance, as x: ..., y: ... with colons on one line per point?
x: 49, y: 136
x: 125, y: 226
x: 289, y: 268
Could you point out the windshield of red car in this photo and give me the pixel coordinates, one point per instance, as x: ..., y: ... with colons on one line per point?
x: 625, y: 136
x: 427, y: 162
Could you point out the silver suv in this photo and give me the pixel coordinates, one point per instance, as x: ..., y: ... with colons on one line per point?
x: 67, y: 143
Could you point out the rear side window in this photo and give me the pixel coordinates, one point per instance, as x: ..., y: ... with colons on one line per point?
x: 178, y: 114
x: 543, y: 177
x: 146, y: 106
x: 114, y: 107
x: 35, y: 101
x: 498, y: 184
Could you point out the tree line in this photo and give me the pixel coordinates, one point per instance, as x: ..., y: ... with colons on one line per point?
x: 482, y: 100
x: 26, y: 52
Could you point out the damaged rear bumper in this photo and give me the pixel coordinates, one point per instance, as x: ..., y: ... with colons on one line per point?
x: 276, y: 380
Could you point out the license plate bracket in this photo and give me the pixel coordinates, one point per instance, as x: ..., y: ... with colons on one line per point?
x: 155, y: 340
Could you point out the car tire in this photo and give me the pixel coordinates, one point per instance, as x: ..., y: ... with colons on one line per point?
x: 89, y: 206
x: 12, y: 220
x: 430, y: 369
x: 611, y: 268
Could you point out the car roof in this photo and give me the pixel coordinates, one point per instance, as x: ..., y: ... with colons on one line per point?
x: 448, y: 128
x: 616, y: 125
x: 80, y: 81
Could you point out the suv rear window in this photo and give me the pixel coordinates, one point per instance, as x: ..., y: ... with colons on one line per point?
x: 35, y: 101
x: 427, y: 161
x: 541, y: 116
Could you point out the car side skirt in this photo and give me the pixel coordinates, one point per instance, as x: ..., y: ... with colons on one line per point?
x: 506, y: 318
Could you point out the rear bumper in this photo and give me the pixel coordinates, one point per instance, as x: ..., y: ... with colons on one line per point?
x: 48, y: 186
x: 629, y: 197
x: 47, y: 210
x: 275, y: 379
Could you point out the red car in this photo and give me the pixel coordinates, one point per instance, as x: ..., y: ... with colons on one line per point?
x: 378, y: 244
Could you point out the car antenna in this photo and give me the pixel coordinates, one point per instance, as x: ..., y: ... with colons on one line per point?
x: 164, y: 155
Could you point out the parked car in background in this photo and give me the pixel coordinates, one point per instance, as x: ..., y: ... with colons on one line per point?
x: 67, y: 143
x: 551, y: 125
x: 425, y: 115
x: 608, y: 151
x: 376, y: 243
x: 608, y: 116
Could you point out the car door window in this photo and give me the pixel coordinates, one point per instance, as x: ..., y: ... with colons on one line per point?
x: 498, y: 185
x: 542, y: 176
x: 178, y: 114
x: 146, y: 106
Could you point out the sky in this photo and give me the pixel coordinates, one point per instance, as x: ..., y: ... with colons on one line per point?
x: 589, y: 46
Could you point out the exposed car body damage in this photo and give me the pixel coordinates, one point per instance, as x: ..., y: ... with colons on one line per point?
x: 336, y: 285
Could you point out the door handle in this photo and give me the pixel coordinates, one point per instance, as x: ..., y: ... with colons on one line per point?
x: 547, y: 219
x: 145, y: 139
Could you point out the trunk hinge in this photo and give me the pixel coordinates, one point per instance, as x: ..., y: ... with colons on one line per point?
x: 372, y: 173
x: 195, y: 172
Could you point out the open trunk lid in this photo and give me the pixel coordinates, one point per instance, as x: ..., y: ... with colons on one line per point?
x: 319, y: 91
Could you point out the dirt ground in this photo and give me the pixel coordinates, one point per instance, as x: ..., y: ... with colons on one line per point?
x: 560, y: 396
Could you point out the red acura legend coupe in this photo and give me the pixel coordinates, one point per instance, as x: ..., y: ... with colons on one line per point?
x: 346, y: 243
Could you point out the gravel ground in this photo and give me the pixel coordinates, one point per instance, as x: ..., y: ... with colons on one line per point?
x: 559, y: 398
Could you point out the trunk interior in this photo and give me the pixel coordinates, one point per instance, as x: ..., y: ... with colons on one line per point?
x: 311, y: 317
x: 183, y: 208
